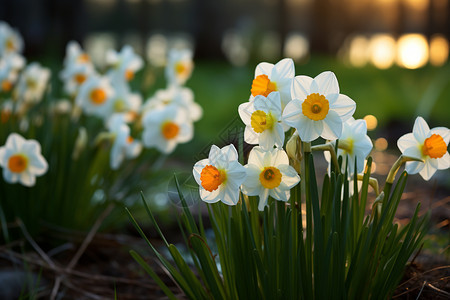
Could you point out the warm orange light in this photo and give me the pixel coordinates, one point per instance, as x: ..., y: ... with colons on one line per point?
x: 439, y: 50
x: 371, y: 122
x: 381, y: 144
x: 412, y: 51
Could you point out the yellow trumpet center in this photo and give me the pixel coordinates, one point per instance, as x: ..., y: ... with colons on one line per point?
x: 129, y: 75
x: 261, y: 121
x: 315, y: 107
x: 98, y: 96
x: 79, y: 78
x: 262, y: 85
x: 6, y: 85
x: 83, y: 58
x: 270, y: 177
x: 170, y: 130
x: 17, y: 163
x: 434, y: 146
x: 212, y: 178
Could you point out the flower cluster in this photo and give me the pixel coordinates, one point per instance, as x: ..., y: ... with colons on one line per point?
x: 308, y: 108
x: 128, y: 124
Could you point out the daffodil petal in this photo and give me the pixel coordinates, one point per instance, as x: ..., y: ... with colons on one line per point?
x: 284, y: 68
x: 427, y: 172
x: 263, y: 195
x: 407, y: 141
x: 414, y: 167
x: 301, y: 87
x: 344, y: 107
x: 327, y: 83
x: 263, y: 68
x: 420, y: 129
x: 250, y: 136
x: 332, y: 126
x: 444, y: 162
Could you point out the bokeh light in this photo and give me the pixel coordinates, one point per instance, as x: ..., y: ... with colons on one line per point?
x: 439, y: 50
x: 412, y: 51
x: 382, y: 48
x: 358, y: 54
x: 371, y: 122
x: 296, y: 46
x: 381, y: 144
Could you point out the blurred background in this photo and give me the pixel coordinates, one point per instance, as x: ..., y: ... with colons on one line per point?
x: 390, y: 56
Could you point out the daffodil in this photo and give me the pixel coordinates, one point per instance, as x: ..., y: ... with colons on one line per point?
x: 10, y: 40
x: 123, y: 100
x: 262, y: 117
x: 75, y: 55
x: 317, y: 108
x: 74, y: 75
x: 124, y: 145
x: 32, y: 84
x: 274, y: 78
x: 125, y: 63
x: 10, y: 65
x: 22, y: 160
x: 220, y: 175
x: 179, y: 66
x: 177, y: 95
x: 269, y: 174
x: 354, y: 144
x: 166, y: 127
x: 429, y: 145
x: 94, y: 96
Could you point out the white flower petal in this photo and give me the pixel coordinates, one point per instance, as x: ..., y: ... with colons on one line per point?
x: 279, y: 157
x: 210, y: 197
x: 263, y: 195
x: 444, y: 162
x: 256, y: 157
x: 230, y: 152
x: 413, y: 152
x: 301, y: 87
x: 414, y: 167
x: 37, y: 164
x: 407, y: 141
x: 15, y: 142
x: 263, y: 68
x: 197, y: 170
x: 27, y: 179
x: 246, y: 110
x: 420, y: 130
x: 230, y: 194
x: 280, y: 194
x: 344, y: 106
x: 236, y: 173
x: 292, y: 113
x: 250, y: 136
x: 332, y: 126
x: 308, y: 130
x: 428, y: 171
x: 327, y: 83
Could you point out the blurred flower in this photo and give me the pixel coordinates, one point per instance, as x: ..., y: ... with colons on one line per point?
x: 74, y: 76
x: 317, y: 108
x: 220, y: 175
x: 10, y: 65
x: 124, y: 146
x: 22, y: 160
x: 75, y: 55
x: 270, y: 78
x: 32, y: 84
x: 179, y: 66
x: 354, y: 144
x: 95, y: 95
x: 262, y: 117
x: 123, y: 100
x: 269, y: 174
x: 428, y: 145
x: 166, y: 127
x: 180, y: 96
x: 10, y: 40
x: 125, y: 63
x: 6, y: 109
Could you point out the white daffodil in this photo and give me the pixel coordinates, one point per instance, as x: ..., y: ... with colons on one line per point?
x: 75, y: 55
x: 7, y: 77
x: 125, y: 63
x: 354, y: 144
x: 270, y: 78
x: 180, y: 96
x: 124, y: 145
x: 6, y: 110
x: 166, y: 127
x: 179, y: 66
x: 10, y: 40
x: 428, y: 145
x: 220, y: 175
x: 94, y: 96
x: 32, y: 84
x: 317, y: 108
x: 74, y: 75
x: 269, y: 174
x: 22, y: 160
x: 262, y: 117
x: 124, y: 101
